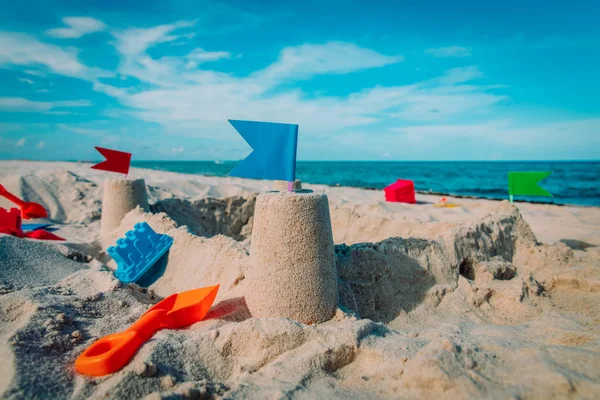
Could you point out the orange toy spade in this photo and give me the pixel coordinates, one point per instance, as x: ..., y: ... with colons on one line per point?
x: 110, y: 353
x: 29, y: 209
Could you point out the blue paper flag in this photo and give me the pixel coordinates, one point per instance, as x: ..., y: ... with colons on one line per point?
x: 274, y: 155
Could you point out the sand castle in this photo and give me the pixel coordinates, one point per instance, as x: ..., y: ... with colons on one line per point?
x: 292, y: 271
x: 120, y: 197
x: 282, y: 186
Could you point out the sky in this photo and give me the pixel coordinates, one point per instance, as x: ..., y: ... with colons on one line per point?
x: 364, y: 80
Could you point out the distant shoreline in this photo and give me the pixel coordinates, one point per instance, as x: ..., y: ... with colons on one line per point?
x: 329, y: 161
x: 136, y: 165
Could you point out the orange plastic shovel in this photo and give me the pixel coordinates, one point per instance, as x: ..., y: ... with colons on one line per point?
x: 110, y: 353
x: 29, y: 209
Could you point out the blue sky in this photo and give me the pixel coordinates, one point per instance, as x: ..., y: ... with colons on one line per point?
x: 462, y: 80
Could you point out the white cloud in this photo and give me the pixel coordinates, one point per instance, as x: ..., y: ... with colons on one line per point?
x: 511, y: 135
x: 19, y: 104
x: 20, y: 142
x: 299, y: 62
x: 41, y: 144
x: 200, y: 103
x: 63, y: 113
x: 441, y: 103
x: 451, y: 51
x: 202, y: 55
x: 10, y: 127
x: 183, y: 97
x: 460, y: 75
x: 189, y: 100
x: 132, y: 44
x: 34, y: 73
x: 198, y: 56
x: 25, y: 80
x: 18, y: 49
x: 101, y: 136
x: 109, y: 90
x: 437, y: 132
x: 507, y: 139
x: 77, y: 27
x: 82, y: 131
x: 307, y: 60
x: 135, y: 41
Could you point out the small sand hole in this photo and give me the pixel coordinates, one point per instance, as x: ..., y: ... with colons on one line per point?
x: 466, y: 269
x: 506, y: 274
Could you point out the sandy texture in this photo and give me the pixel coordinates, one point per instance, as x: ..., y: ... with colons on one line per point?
x: 292, y: 271
x: 120, y: 197
x: 486, y: 300
x: 282, y: 186
x: 231, y: 216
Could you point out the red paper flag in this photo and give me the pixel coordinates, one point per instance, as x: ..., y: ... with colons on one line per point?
x: 116, y: 161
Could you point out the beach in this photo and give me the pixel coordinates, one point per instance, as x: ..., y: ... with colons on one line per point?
x: 479, y: 299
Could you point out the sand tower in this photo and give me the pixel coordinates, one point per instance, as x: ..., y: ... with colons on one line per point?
x: 282, y: 186
x: 292, y: 272
x: 120, y: 197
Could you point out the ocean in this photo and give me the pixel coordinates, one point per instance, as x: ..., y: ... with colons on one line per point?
x: 570, y: 183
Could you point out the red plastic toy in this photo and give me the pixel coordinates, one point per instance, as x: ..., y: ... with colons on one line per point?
x: 29, y: 209
x: 402, y: 191
x: 41, y: 234
x: 10, y: 224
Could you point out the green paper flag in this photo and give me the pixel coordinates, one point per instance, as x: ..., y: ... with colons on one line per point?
x: 526, y: 183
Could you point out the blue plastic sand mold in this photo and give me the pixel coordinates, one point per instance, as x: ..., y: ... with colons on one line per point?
x: 34, y: 227
x: 139, y: 250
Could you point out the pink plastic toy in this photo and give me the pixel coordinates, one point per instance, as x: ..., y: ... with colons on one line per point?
x: 402, y: 191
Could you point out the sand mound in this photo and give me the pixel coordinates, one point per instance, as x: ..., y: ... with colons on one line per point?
x: 231, y: 216
x: 193, y: 261
x: 373, y: 222
x: 49, y: 326
x: 25, y: 264
x: 67, y: 196
x: 377, y: 281
x: 382, y: 280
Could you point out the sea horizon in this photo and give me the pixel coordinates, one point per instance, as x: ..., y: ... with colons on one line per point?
x: 572, y: 182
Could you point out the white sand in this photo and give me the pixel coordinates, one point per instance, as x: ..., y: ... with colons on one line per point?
x: 436, y: 303
x: 283, y: 186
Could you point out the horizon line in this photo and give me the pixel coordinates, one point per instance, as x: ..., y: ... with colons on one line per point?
x: 332, y: 161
